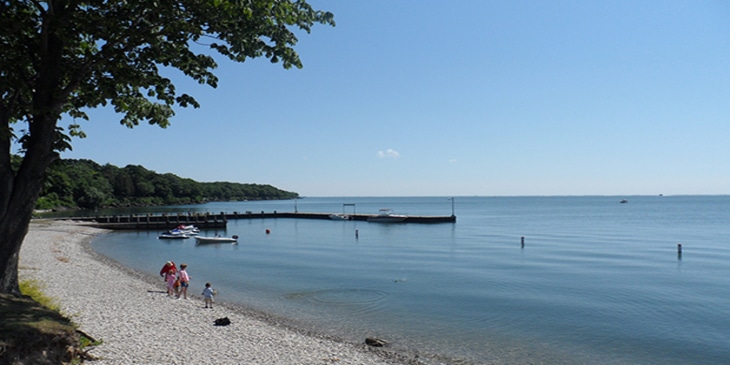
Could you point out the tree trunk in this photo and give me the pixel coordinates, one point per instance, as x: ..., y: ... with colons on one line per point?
x: 13, y: 230
x: 23, y: 191
x: 17, y: 214
x: 24, y: 186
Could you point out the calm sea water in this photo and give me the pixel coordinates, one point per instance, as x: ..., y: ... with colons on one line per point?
x: 596, y: 282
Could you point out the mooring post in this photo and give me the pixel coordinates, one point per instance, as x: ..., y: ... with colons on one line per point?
x: 522, y: 241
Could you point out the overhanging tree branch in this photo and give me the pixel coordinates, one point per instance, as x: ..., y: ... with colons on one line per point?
x: 60, y: 57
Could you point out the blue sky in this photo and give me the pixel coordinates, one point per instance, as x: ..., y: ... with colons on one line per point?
x: 453, y: 98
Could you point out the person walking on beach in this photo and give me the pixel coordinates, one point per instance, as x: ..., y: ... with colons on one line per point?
x: 167, y: 267
x: 169, y: 272
x: 184, y: 279
x: 208, y: 294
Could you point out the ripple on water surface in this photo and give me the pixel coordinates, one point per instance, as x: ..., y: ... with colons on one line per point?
x: 356, y: 301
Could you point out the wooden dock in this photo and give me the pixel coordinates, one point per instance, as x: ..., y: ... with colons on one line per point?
x: 211, y: 220
x: 161, y: 222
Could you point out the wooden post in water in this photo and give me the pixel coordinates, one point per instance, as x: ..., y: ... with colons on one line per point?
x: 522, y: 242
x: 679, y: 251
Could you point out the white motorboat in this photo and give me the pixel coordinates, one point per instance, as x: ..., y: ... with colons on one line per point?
x: 339, y: 217
x: 215, y: 239
x: 172, y: 235
x: 387, y: 216
x: 189, y: 230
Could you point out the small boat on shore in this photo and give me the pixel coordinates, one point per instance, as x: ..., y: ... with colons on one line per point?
x: 387, y: 216
x: 215, y: 239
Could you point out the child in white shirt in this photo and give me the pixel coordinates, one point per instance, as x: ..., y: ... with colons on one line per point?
x: 208, y: 294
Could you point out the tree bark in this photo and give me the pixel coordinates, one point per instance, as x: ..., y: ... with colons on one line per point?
x: 15, y: 220
x: 13, y: 230
x: 24, y: 186
x: 23, y: 192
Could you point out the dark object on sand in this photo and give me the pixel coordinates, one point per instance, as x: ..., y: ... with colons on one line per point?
x: 222, y: 321
x: 375, y: 342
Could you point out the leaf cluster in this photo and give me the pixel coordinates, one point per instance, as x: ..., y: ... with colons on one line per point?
x: 66, y: 56
x: 61, y: 58
x: 87, y: 185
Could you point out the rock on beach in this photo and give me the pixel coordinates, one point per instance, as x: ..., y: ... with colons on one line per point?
x: 139, y: 324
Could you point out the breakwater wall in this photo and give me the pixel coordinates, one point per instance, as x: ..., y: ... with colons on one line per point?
x: 219, y: 220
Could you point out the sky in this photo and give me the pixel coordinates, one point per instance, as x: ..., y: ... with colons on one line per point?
x: 461, y: 98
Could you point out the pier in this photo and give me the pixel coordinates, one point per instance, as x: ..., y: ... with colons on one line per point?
x: 219, y: 220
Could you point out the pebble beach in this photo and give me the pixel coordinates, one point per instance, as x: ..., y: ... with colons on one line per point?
x: 138, y: 323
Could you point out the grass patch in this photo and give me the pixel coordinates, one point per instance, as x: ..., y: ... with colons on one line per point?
x: 33, y: 331
x: 34, y: 289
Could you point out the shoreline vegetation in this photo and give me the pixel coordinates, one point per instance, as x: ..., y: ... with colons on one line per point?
x: 84, y: 184
x: 133, y: 319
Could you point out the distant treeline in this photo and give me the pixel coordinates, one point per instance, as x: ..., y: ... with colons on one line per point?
x: 85, y: 184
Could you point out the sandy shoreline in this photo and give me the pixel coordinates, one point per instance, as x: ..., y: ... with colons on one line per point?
x: 139, y: 324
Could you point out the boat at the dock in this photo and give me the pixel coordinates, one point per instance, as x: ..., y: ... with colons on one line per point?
x: 219, y: 221
x: 339, y: 217
x: 215, y: 239
x: 180, y: 232
x: 172, y: 235
x: 189, y: 229
x: 387, y: 216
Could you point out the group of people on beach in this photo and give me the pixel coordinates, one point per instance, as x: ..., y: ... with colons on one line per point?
x: 178, y: 281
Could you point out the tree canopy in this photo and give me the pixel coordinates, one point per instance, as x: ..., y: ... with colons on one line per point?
x: 62, y: 57
x: 85, y: 184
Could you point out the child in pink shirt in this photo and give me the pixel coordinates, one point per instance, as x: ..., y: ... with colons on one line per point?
x: 169, y: 271
x: 184, y: 280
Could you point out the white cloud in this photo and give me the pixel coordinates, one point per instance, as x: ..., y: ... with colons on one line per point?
x: 389, y: 153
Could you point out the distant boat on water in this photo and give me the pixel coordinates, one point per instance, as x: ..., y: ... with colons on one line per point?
x: 623, y: 201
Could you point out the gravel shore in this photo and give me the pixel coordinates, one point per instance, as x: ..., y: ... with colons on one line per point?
x: 139, y: 324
